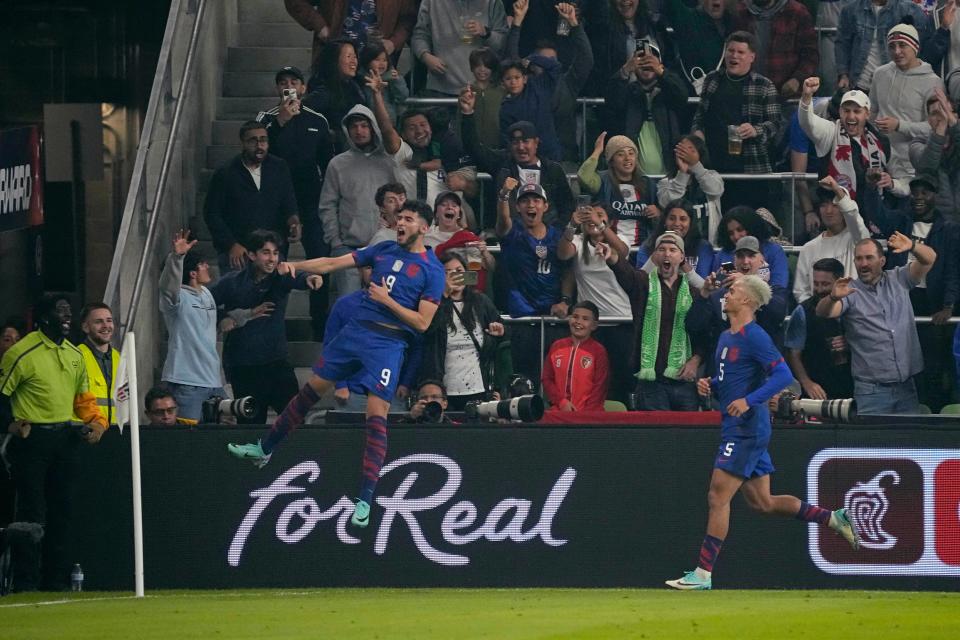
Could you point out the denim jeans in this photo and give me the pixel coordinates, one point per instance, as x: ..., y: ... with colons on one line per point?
x: 190, y: 399
x: 886, y: 398
x: 667, y: 396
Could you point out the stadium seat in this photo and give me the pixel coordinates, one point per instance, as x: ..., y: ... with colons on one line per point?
x: 924, y: 410
x: 614, y: 405
x: 950, y: 409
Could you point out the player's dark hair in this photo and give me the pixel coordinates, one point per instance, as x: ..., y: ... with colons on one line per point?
x: 412, y: 113
x: 486, y: 57
x: 829, y: 265
x: 749, y: 219
x: 589, y: 306
x: 392, y: 187
x: 156, y: 393
x: 249, y: 125
x: 435, y: 382
x: 420, y: 208
x: 545, y: 43
x: 874, y: 242
x: 468, y: 315
x: 16, y: 323
x: 691, y: 241
x: 91, y: 307
x: 260, y: 237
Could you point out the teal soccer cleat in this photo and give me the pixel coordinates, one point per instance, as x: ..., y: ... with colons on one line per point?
x: 361, y: 514
x: 252, y: 452
x: 691, y: 582
x: 840, y: 522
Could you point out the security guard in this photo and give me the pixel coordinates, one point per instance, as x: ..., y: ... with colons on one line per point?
x: 43, y: 382
x: 99, y: 357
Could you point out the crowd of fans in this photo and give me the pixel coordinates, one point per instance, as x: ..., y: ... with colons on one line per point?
x: 702, y: 101
x: 673, y: 204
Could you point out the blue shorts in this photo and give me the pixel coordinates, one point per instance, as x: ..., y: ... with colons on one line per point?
x: 364, y: 357
x: 744, y: 456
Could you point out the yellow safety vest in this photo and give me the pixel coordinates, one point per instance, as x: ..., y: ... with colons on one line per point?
x: 98, y: 384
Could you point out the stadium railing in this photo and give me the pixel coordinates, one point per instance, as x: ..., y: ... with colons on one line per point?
x: 162, y: 194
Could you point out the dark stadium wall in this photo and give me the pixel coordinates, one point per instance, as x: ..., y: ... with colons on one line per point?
x: 516, y: 506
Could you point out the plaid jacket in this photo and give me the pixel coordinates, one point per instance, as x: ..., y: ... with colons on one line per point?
x: 760, y: 108
x: 792, y: 51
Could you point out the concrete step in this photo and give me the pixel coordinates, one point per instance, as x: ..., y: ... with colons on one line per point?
x: 268, y: 58
x: 299, y: 304
x: 303, y: 354
x: 258, y: 11
x: 227, y: 131
x: 273, y: 34
x: 244, y: 108
x: 241, y: 84
x: 220, y: 154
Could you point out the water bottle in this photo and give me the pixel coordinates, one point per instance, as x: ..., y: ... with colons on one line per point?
x: 76, y: 578
x: 563, y: 27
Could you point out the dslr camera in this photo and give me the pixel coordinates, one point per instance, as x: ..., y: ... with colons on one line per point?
x: 789, y: 407
x: 215, y: 407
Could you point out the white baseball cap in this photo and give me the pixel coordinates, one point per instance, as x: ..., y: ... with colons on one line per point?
x: 857, y: 97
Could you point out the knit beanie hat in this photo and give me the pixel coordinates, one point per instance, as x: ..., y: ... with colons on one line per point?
x: 618, y: 143
x: 905, y: 33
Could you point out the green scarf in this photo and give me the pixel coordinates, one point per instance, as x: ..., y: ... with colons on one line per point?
x: 680, y: 350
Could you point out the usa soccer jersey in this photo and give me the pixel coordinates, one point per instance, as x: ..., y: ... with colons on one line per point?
x: 535, y: 269
x: 750, y: 367
x: 366, y: 352
x: 409, y: 277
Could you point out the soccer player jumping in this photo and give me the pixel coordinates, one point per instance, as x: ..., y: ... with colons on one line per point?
x: 749, y: 372
x: 405, y: 289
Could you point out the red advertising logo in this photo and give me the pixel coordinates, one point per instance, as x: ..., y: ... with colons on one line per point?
x: 946, y: 507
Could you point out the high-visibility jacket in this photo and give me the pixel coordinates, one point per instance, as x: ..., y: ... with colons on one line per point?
x: 98, y: 384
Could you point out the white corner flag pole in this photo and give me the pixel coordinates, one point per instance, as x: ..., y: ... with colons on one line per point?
x: 130, y: 352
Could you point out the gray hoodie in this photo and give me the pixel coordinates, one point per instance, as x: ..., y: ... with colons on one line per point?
x: 903, y: 95
x: 348, y: 210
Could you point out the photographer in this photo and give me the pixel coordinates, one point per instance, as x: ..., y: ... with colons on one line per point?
x: 431, y: 404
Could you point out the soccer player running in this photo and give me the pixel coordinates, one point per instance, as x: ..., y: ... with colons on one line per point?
x: 750, y: 371
x: 405, y: 289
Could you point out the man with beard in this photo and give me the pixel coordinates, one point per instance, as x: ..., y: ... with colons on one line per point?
x: 650, y: 99
x: 664, y: 361
x: 252, y: 191
x: 43, y: 382
x: 879, y: 324
x: 405, y: 290
x: 787, y: 50
x: 854, y: 153
x: 99, y: 357
x: 255, y: 342
x: 422, y: 171
x: 817, y: 351
x: 843, y: 228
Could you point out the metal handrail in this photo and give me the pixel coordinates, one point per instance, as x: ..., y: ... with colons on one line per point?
x: 137, y: 185
x: 112, y: 293
x: 165, y: 167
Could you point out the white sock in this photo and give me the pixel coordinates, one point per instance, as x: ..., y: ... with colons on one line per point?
x: 702, y: 573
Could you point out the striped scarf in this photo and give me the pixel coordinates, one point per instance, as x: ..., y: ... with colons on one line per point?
x: 680, y: 350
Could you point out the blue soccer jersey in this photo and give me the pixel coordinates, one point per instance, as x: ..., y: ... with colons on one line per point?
x: 409, y: 277
x: 748, y: 366
x: 535, y: 269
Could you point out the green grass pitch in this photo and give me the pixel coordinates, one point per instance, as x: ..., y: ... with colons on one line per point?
x: 482, y: 613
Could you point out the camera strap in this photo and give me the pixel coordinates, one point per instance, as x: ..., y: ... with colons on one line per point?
x: 476, y: 344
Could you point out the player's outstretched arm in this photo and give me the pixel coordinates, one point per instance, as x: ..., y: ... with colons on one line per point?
x: 317, y: 266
